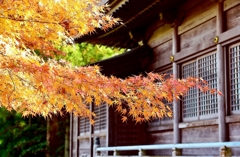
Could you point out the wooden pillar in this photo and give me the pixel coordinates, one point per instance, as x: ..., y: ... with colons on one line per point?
x: 74, y: 143
x: 176, y: 109
x: 220, y: 76
x: 91, y: 131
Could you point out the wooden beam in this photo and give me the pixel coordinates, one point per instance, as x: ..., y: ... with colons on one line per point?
x: 220, y: 76
x: 176, y: 108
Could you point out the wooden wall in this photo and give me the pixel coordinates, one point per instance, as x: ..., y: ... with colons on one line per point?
x: 125, y: 133
x: 196, y: 33
x: 116, y: 133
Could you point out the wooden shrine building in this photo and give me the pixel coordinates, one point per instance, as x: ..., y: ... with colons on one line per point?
x: 198, y: 38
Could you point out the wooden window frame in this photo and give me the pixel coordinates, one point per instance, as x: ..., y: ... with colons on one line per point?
x: 199, y: 117
x: 164, y: 120
x: 234, y: 112
x: 91, y: 131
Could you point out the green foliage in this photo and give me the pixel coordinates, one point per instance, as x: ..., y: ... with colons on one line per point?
x: 22, y: 137
x: 84, y: 53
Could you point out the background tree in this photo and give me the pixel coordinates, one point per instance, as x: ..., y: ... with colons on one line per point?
x: 85, y: 53
x: 21, y: 137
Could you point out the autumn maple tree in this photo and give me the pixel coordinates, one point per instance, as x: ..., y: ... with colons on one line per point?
x: 34, y: 86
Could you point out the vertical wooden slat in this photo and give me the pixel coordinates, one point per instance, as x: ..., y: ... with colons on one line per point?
x: 77, y: 134
x: 90, y: 138
x: 220, y: 76
x: 107, y: 129
x: 71, y: 135
x: 75, y: 137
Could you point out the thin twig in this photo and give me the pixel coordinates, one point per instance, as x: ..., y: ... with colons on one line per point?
x: 34, y: 21
x: 23, y: 80
x: 14, y: 87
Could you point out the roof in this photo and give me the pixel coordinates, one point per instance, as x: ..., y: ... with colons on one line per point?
x: 137, y: 17
x: 129, y: 63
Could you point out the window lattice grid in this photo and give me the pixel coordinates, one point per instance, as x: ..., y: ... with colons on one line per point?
x: 166, y: 119
x: 101, y: 117
x: 84, y: 126
x: 190, y: 102
x: 207, y: 69
x: 168, y: 74
x: 235, y: 77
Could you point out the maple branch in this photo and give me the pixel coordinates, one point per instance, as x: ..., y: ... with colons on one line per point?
x: 23, y: 80
x: 35, y: 21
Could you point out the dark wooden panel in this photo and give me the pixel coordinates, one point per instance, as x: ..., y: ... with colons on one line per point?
x: 129, y: 63
x: 203, y: 34
x: 234, y: 135
x: 234, y: 132
x: 198, y: 135
x: 232, y: 17
x: 201, y: 152
x: 125, y: 134
x: 164, y: 49
x: 165, y: 137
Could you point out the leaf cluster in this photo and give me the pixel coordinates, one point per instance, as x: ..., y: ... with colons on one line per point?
x: 32, y: 85
x: 44, y: 24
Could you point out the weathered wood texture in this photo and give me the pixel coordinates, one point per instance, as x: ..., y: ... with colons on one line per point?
x: 202, y: 34
x: 160, y: 35
x: 103, y: 143
x: 125, y: 134
x: 161, y: 55
x: 197, y: 15
x: 200, y: 134
x: 84, y: 147
x: 234, y: 135
x: 164, y: 137
x: 128, y: 133
x: 74, y: 137
x: 233, y: 17
x: 196, y: 34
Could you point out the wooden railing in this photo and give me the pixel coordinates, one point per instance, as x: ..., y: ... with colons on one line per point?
x: 224, y: 148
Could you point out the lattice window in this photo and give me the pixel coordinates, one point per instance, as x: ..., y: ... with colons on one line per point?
x: 101, y: 118
x: 168, y: 74
x: 190, y: 107
x: 207, y: 69
x: 165, y: 120
x: 234, y: 53
x: 84, y: 126
x: 198, y: 105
